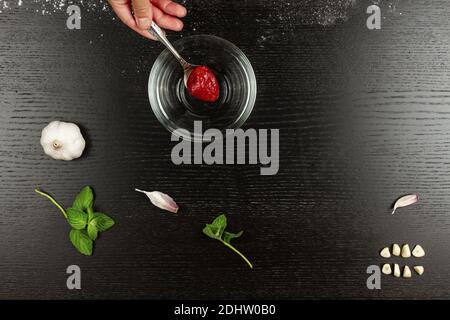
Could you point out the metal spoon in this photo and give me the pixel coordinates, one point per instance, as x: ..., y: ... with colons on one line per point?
x: 161, y: 35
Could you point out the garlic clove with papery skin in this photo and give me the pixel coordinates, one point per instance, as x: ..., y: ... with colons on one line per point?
x: 62, y: 140
x: 161, y: 200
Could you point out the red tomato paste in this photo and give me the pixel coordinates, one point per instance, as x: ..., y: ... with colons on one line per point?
x: 202, y: 84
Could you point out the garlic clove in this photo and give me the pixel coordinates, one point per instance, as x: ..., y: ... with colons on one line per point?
x: 419, y: 270
x: 161, y: 200
x: 396, y: 271
x: 396, y: 250
x: 406, y: 252
x: 385, y: 253
x: 386, y: 269
x: 418, y: 252
x: 405, y: 201
x: 406, y: 272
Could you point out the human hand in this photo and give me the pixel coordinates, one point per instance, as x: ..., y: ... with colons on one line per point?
x: 165, y: 13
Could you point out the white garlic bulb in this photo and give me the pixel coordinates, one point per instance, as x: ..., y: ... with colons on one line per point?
x: 62, y: 140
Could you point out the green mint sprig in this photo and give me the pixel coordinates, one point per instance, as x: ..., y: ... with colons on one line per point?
x: 216, y: 230
x: 85, y: 222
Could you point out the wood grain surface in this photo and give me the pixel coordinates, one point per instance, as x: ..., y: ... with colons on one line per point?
x: 364, y: 117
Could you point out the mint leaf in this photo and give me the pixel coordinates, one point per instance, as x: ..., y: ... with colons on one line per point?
x: 220, y: 221
x: 218, y: 225
x: 81, y: 241
x: 216, y: 230
x: 91, y: 215
x: 209, y: 232
x: 92, y: 231
x: 227, y: 236
x: 102, y: 222
x: 86, y: 224
x: 84, y: 200
x: 77, y: 218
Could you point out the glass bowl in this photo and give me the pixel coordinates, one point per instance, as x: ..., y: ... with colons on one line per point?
x: 176, y: 109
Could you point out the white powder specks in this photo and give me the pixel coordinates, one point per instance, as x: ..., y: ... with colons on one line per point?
x: 48, y: 7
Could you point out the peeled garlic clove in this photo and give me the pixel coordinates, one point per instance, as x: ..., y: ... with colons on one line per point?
x: 386, y: 269
x: 406, y: 272
x: 396, y: 270
x: 419, y: 270
x: 396, y: 250
x: 418, y: 252
x: 385, y: 253
x: 161, y: 200
x: 406, y: 252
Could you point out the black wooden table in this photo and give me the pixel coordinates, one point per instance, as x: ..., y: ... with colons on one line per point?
x: 364, y: 117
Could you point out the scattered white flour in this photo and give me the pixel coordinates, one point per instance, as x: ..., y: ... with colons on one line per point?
x: 306, y: 12
x: 285, y: 14
x: 48, y: 7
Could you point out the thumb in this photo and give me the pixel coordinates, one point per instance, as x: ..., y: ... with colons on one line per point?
x: 142, y: 13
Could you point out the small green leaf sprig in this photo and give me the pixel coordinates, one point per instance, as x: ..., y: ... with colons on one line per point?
x: 85, y: 222
x: 216, y: 230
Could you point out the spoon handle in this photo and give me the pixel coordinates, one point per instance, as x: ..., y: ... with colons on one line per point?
x: 161, y: 35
